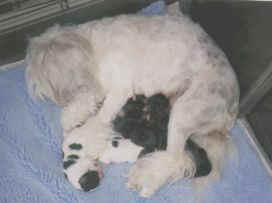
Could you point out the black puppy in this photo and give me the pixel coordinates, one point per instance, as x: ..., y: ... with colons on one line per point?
x: 145, y: 122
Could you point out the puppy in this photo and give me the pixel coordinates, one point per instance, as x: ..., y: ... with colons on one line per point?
x: 141, y: 122
x: 144, y: 122
x: 91, y: 70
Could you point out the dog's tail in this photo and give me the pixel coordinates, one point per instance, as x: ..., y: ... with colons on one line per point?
x: 58, y: 64
x: 220, y: 150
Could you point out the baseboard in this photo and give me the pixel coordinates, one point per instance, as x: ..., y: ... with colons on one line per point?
x: 256, y: 145
x: 11, y: 65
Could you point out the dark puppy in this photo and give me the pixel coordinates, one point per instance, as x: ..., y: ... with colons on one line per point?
x: 145, y: 122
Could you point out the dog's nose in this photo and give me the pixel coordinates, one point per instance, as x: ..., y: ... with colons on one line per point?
x: 89, y: 180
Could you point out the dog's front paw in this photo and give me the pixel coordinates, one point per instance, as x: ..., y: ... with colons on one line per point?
x: 156, y: 169
x: 93, y: 137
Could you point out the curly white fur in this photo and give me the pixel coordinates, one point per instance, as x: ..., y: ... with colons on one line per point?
x: 112, y: 59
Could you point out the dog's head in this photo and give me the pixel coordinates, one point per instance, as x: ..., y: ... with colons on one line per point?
x: 60, y: 64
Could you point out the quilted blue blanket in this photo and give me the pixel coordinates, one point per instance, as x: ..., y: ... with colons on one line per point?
x: 31, y: 163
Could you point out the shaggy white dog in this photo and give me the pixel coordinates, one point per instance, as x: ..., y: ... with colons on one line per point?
x: 92, y: 69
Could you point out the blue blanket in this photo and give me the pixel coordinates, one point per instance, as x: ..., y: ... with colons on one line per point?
x: 31, y: 163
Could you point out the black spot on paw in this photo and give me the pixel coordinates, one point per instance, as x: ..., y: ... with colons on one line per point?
x: 65, y: 175
x: 68, y: 163
x: 75, y: 146
x: 89, y: 180
x: 73, y: 156
x: 115, y: 143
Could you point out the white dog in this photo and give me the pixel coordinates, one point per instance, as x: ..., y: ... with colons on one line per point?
x: 92, y: 69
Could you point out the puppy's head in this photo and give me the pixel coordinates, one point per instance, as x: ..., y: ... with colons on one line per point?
x: 131, y: 113
x: 134, y: 107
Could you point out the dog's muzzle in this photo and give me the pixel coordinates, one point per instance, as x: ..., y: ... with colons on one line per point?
x: 89, y: 181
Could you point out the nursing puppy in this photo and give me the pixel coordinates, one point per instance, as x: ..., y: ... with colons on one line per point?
x: 141, y: 122
x: 144, y: 121
x: 91, y: 70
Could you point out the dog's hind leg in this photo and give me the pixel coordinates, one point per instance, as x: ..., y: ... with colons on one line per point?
x: 190, y: 115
